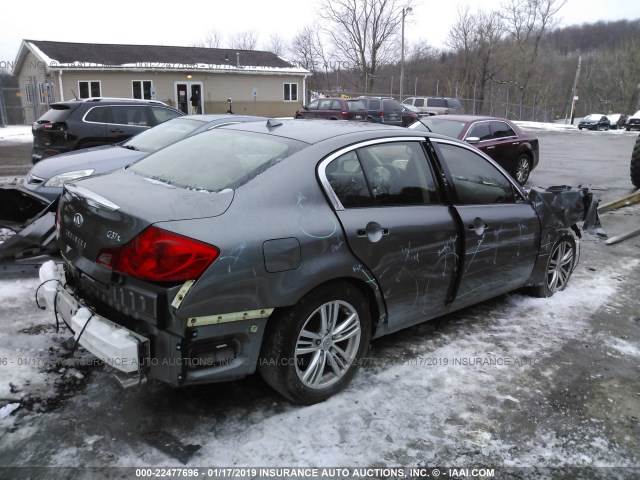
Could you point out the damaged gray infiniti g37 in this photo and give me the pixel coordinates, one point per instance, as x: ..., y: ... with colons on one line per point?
x: 286, y: 246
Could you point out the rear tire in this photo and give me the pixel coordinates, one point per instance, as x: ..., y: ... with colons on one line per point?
x: 635, y: 164
x: 312, y: 350
x: 559, y: 268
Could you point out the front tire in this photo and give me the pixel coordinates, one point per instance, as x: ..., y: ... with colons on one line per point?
x: 522, y: 169
x: 559, y: 268
x: 312, y: 350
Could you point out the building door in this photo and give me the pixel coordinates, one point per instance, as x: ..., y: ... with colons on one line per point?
x: 189, y: 97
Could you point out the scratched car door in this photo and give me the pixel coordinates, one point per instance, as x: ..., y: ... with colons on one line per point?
x: 501, y: 229
x: 397, y: 225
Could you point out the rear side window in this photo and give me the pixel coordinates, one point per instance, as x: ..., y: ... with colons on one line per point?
x: 374, y: 104
x: 128, y: 115
x: 419, y: 102
x: 97, y: 115
x: 502, y: 130
x: 216, y: 160
x: 436, y: 102
x: 387, y: 174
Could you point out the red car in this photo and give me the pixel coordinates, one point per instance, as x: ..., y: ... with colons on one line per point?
x: 334, y: 109
x: 514, y: 150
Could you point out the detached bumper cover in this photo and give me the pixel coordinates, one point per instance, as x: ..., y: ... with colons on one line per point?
x: 113, y: 344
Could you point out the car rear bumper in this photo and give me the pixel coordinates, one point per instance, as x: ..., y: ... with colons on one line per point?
x: 207, y: 350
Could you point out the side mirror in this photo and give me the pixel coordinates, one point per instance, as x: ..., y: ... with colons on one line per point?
x: 472, y: 140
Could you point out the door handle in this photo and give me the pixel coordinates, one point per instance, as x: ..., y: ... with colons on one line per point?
x: 373, y: 231
x: 116, y: 130
x: 490, y: 148
x: 478, y: 226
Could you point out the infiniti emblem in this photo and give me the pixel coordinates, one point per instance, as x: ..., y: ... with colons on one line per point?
x: 78, y: 220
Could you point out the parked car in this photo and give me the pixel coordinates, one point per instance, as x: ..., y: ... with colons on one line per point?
x: 595, y: 121
x: 47, y: 177
x: 634, y: 169
x: 334, y: 109
x: 617, y: 120
x: 633, y: 122
x: 89, y: 122
x: 436, y: 105
x: 383, y: 110
x: 411, y: 114
x: 276, y: 247
x: 516, y: 151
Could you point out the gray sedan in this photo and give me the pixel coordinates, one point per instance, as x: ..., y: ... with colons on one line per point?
x: 284, y: 247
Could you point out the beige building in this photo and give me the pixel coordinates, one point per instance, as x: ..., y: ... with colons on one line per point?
x: 193, y: 79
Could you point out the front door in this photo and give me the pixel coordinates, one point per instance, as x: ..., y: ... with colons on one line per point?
x: 501, y: 229
x: 189, y: 98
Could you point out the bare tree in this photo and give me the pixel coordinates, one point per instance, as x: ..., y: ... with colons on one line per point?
x: 212, y: 39
x: 247, y: 40
x: 309, y: 51
x: 277, y: 45
x: 365, y: 32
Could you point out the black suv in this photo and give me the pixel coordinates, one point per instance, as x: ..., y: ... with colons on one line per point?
x: 383, y: 110
x: 94, y: 121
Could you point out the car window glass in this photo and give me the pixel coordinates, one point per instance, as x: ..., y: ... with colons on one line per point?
x: 374, y: 104
x: 436, y: 102
x: 419, y: 102
x: 480, y: 130
x: 476, y: 181
x: 397, y: 174
x: 502, y: 130
x: 335, y: 105
x: 216, y: 160
x: 97, y: 115
x: 128, y: 115
x: 164, y: 134
x: 391, y: 106
x: 324, y: 104
x: 453, y: 103
x: 163, y: 114
x: 347, y: 181
x: 355, y: 105
x: 408, y: 101
x: 313, y: 105
x: 442, y: 125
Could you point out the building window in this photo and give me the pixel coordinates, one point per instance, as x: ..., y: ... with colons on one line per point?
x: 142, y: 89
x: 42, y: 93
x: 290, y: 92
x: 89, y: 88
x: 28, y: 90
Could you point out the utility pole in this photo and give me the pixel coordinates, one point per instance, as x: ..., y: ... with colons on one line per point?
x: 574, y: 92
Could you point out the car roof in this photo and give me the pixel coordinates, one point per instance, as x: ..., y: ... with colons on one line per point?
x: 314, y: 131
x: 466, y: 118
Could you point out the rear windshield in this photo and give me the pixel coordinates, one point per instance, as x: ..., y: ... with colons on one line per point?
x: 453, y: 103
x: 57, y: 113
x: 162, y: 135
x: 216, y: 160
x: 437, y: 124
x: 355, y: 105
x: 391, y: 106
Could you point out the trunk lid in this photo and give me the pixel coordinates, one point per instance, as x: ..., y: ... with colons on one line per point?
x: 100, y: 212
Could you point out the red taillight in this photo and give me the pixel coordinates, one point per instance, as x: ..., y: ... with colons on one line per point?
x: 343, y: 115
x: 160, y: 256
x: 381, y: 113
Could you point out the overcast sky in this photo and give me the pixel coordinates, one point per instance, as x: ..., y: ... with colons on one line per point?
x: 156, y: 23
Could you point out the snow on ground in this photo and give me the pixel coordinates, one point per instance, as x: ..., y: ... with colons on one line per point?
x: 424, y: 396
x: 16, y: 133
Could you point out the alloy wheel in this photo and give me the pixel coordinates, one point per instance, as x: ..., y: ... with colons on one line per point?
x: 560, y: 266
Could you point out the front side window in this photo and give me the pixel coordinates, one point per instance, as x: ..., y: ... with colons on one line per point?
x: 475, y: 180
x: 313, y: 105
x: 89, y: 88
x: 141, y: 89
x: 290, y: 92
x: 481, y: 131
x: 502, y: 130
x: 419, y: 102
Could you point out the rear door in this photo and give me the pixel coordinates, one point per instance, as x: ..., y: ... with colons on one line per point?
x: 396, y: 224
x: 501, y: 230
